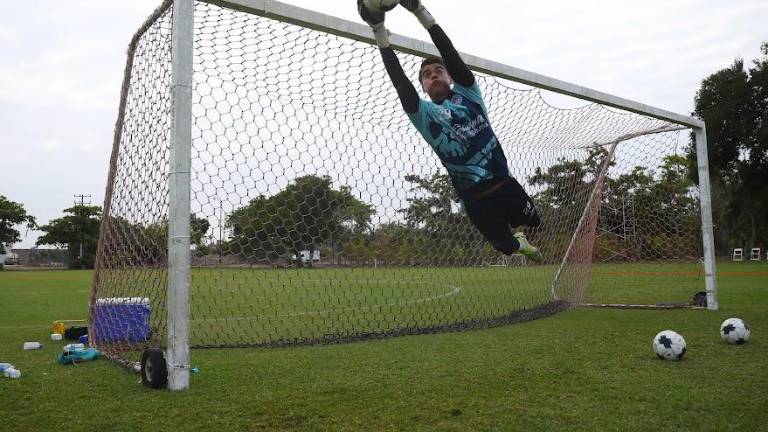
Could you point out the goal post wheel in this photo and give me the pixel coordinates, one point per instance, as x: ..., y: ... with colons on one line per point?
x: 154, y: 371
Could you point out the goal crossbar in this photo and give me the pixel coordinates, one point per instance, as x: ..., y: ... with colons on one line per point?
x: 357, y: 31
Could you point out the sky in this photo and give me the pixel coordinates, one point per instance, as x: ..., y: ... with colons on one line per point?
x: 61, y: 68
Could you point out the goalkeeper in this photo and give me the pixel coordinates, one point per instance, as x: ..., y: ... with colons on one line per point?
x: 455, y: 123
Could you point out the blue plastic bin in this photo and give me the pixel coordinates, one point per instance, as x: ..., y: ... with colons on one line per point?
x: 121, y: 319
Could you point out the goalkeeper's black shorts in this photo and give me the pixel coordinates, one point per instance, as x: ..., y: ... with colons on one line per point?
x: 497, y: 208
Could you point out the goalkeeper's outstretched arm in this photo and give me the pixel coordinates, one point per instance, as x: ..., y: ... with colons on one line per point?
x: 453, y: 62
x: 405, y: 90
x: 408, y: 95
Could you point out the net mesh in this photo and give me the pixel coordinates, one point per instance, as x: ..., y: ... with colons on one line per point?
x: 320, y: 215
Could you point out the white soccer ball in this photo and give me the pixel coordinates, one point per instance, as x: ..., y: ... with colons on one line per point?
x: 735, y: 331
x: 380, y: 5
x: 669, y: 345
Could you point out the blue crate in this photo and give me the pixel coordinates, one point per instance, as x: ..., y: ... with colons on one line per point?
x: 121, y: 319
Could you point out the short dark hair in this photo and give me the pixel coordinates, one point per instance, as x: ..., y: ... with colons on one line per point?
x: 428, y: 61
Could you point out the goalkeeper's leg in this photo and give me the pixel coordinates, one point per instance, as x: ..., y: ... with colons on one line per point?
x: 523, y: 213
x: 528, y: 249
x: 497, y: 214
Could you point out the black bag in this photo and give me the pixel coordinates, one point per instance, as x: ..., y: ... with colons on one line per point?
x: 74, y: 333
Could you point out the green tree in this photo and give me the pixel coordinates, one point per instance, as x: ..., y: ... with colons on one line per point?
x: 433, y: 207
x: 657, y: 206
x: 568, y: 183
x: 445, y: 233
x: 624, y: 203
x: 668, y: 213
x: 154, y: 236
x: 12, y: 214
x: 400, y: 244
x: 734, y: 104
x: 78, y: 231
x: 309, y: 212
x: 563, y: 191
x: 146, y: 244
x: 198, y: 229
x: 755, y: 171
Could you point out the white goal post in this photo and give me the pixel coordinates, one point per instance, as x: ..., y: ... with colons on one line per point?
x: 179, y: 255
x: 126, y: 227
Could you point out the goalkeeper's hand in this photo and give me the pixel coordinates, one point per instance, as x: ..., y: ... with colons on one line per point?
x: 418, y: 9
x: 373, y: 18
x: 411, y: 5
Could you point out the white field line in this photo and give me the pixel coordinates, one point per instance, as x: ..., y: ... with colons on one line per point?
x: 454, y: 291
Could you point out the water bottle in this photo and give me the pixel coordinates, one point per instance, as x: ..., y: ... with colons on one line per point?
x: 32, y: 345
x: 74, y: 346
x: 4, y: 366
x: 55, y: 336
x: 12, y: 373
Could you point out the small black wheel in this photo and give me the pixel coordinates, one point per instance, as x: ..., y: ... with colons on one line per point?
x: 154, y: 372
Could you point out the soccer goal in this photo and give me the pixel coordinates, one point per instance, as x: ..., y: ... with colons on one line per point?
x: 251, y: 133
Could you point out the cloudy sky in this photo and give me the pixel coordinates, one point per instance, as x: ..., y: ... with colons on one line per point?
x: 61, y: 66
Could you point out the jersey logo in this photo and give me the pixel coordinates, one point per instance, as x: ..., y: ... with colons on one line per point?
x: 528, y: 210
x: 457, y: 99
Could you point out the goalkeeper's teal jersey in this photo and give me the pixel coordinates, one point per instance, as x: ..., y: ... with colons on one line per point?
x: 459, y: 132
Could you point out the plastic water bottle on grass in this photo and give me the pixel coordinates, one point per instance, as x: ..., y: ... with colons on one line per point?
x: 4, y: 366
x: 33, y: 345
x: 12, y: 373
x: 74, y: 347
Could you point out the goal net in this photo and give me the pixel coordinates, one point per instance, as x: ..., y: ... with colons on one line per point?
x: 319, y: 215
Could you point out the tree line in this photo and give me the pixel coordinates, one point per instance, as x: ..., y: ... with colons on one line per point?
x: 734, y: 104
x: 310, y: 213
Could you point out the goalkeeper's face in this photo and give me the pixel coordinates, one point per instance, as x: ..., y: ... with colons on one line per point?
x: 436, y: 82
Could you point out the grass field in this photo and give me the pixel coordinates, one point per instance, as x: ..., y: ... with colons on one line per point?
x: 584, y: 369
x: 253, y: 306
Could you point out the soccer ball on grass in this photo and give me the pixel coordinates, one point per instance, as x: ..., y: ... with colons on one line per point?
x: 380, y: 5
x: 735, y: 331
x: 669, y: 345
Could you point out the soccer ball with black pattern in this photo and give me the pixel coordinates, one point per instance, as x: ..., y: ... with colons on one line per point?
x: 380, y: 5
x: 669, y: 345
x: 735, y: 331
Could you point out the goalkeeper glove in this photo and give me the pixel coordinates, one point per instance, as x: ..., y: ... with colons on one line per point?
x: 376, y: 21
x: 425, y: 18
x: 411, y: 5
x: 373, y: 18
